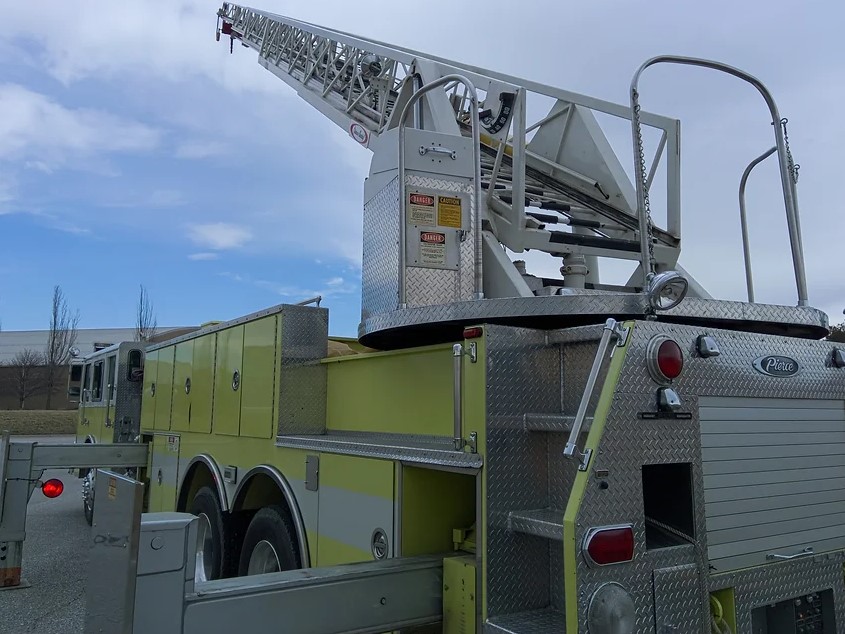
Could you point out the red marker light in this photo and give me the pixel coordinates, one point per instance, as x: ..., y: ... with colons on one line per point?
x: 52, y: 488
x: 473, y: 333
x: 670, y: 359
x: 610, y: 545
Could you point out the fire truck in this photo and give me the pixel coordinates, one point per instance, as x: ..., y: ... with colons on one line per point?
x: 582, y: 456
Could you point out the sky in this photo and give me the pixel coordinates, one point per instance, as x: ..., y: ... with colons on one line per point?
x: 135, y: 149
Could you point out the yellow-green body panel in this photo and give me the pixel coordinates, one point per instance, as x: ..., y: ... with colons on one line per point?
x: 259, y: 377
x: 164, y: 388
x: 459, y: 595
x: 91, y: 422
x: 202, y: 384
x: 407, y: 391
x: 181, y: 407
x: 226, y: 418
x: 570, y: 545
x: 162, y: 494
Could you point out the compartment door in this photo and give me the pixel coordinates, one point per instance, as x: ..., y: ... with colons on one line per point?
x: 202, y: 384
x: 164, y: 388
x: 148, y: 400
x: 164, y: 474
x: 227, y: 381
x: 182, y: 386
x: 259, y: 378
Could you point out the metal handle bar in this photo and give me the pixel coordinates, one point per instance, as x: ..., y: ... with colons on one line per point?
x: 749, y: 283
x: 789, y: 194
x: 804, y: 553
x: 476, y: 155
x: 571, y: 449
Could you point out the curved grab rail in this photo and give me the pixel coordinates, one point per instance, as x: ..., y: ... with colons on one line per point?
x: 476, y: 141
x: 788, y: 185
x: 749, y: 283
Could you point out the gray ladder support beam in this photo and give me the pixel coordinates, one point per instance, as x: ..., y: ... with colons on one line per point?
x: 90, y: 455
x: 368, y: 597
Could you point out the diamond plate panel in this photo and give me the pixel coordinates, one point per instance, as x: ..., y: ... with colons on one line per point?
x: 302, y: 382
x: 427, y: 287
x: 380, y: 257
x: 546, y: 523
x: 629, y: 442
x: 777, y: 582
x: 677, y: 599
x: 533, y: 622
x: 557, y: 311
x: 523, y: 375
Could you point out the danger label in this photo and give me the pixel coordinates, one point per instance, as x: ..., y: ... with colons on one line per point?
x: 421, y: 209
x: 432, y: 248
x: 449, y: 212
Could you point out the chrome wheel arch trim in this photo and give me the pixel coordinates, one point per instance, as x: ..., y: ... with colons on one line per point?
x: 296, y: 515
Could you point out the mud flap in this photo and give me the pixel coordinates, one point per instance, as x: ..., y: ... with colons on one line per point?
x: 678, y: 600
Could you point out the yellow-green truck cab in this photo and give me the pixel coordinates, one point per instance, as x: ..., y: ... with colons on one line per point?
x: 109, y: 407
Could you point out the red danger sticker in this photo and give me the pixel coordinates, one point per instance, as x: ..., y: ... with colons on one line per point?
x: 436, y: 238
x: 421, y: 199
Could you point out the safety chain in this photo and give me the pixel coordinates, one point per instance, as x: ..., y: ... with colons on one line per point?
x: 793, y: 167
x: 644, y: 179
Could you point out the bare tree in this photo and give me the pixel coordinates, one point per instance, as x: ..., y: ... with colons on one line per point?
x: 145, y: 319
x: 60, y: 341
x: 837, y: 333
x: 27, y: 376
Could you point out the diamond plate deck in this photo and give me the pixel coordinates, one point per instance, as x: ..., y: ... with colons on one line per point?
x: 533, y: 622
x: 429, y: 324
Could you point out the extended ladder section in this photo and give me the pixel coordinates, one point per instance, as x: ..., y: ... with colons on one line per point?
x: 553, y: 184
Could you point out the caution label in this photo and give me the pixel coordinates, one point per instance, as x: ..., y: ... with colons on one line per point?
x: 112, y: 487
x: 173, y: 444
x: 432, y: 248
x: 449, y: 212
x: 421, y: 209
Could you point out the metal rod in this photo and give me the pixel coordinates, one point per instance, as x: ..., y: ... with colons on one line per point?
x: 457, y: 365
x: 788, y: 186
x: 518, y: 181
x: 476, y: 142
x: 548, y: 118
x: 313, y: 300
x: 749, y: 283
x: 571, y: 449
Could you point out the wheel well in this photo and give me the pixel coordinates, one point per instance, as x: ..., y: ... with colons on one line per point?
x: 264, y: 486
x: 198, y: 476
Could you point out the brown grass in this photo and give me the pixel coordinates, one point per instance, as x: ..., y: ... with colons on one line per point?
x: 38, y: 422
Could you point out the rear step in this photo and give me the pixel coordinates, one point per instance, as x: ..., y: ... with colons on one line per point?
x: 546, y: 621
x: 547, y: 523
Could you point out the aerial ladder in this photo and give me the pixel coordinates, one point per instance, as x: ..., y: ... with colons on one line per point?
x: 550, y: 184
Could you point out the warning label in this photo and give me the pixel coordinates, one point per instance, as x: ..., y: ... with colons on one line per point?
x: 173, y: 444
x: 449, y: 212
x: 112, y: 488
x: 432, y: 248
x: 421, y: 209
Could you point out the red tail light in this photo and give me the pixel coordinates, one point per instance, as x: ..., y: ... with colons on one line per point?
x: 665, y: 359
x: 473, y: 333
x: 609, y: 545
x: 52, y: 488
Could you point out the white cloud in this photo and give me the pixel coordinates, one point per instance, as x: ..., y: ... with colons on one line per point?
x: 220, y: 235
x: 37, y: 129
x: 331, y: 288
x: 204, y: 256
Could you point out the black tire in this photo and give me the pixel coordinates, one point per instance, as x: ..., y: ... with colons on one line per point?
x: 88, y: 500
x: 205, y: 502
x: 271, y: 524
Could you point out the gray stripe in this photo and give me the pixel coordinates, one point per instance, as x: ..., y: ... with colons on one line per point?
x: 351, y: 517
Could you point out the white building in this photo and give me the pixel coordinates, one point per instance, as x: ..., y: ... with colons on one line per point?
x: 87, y: 339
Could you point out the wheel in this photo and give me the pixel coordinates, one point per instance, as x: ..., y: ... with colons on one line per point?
x: 269, y: 544
x: 88, y: 483
x: 213, y: 547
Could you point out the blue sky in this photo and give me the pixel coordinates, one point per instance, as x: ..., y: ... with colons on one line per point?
x: 134, y: 149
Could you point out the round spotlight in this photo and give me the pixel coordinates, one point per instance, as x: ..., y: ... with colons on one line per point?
x: 611, y: 611
x: 666, y: 290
